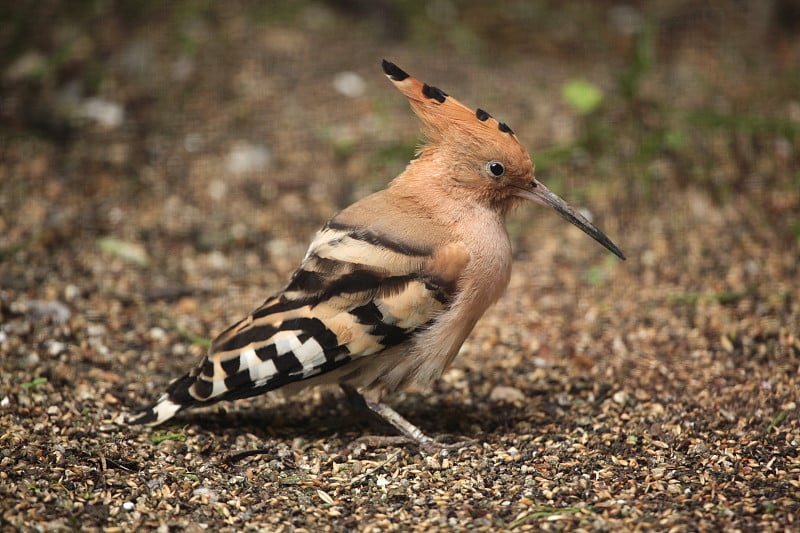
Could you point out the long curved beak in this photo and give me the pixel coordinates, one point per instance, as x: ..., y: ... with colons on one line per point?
x: 542, y: 195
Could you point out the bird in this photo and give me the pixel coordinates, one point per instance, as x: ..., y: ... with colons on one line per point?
x: 391, y: 286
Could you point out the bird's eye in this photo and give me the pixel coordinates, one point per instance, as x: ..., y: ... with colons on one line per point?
x: 495, y: 169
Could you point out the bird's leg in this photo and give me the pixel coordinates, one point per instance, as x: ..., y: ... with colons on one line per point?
x: 409, y: 432
x: 406, y: 428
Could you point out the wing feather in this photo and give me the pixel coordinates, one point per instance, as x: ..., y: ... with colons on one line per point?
x: 355, y: 294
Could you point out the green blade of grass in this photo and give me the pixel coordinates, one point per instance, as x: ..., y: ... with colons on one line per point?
x: 775, y: 422
x: 35, y: 382
x: 160, y: 436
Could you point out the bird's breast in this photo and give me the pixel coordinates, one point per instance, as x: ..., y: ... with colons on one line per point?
x: 489, y: 269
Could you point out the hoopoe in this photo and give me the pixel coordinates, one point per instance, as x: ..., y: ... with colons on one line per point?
x: 391, y: 286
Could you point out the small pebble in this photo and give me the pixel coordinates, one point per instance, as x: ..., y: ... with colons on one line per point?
x: 245, y: 158
x: 105, y: 113
x: 502, y: 393
x: 349, y: 84
x: 620, y: 397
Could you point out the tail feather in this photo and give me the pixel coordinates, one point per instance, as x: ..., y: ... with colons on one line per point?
x: 177, y: 398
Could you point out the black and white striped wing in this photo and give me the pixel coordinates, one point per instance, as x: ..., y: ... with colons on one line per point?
x: 355, y: 294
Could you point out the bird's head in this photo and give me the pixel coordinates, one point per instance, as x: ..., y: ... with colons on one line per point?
x: 479, y: 155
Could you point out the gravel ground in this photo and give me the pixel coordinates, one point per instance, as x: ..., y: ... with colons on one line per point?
x: 163, y: 172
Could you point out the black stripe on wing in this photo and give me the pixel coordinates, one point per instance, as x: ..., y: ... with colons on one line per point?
x: 317, y: 287
x: 389, y: 334
x: 279, y: 305
x: 250, y: 335
x: 377, y: 239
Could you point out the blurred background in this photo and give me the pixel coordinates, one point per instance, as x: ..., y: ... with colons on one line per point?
x: 110, y: 105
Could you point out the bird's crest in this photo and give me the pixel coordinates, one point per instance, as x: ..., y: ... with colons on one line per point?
x: 442, y: 115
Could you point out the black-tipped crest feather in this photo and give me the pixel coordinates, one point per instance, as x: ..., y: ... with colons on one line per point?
x: 393, y: 71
